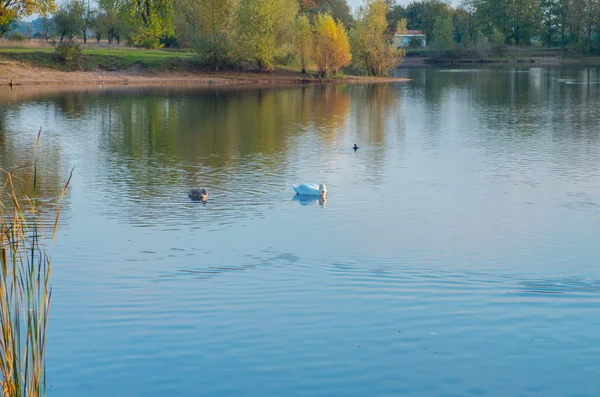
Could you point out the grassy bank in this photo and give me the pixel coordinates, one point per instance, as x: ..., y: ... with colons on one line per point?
x: 105, y: 58
x: 39, y: 65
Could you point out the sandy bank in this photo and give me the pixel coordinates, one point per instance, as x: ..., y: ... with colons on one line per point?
x: 22, y: 74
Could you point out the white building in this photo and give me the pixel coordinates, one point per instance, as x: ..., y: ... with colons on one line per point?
x: 403, y: 40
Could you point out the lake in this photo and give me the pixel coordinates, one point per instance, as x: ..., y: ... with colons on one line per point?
x: 456, y: 253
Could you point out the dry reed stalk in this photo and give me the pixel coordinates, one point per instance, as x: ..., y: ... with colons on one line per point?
x: 25, y: 291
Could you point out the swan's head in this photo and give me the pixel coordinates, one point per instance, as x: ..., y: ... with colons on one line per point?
x: 322, y: 189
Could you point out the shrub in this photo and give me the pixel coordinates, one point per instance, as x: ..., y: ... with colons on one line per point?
x: 16, y: 36
x: 68, y: 53
x: 415, y: 42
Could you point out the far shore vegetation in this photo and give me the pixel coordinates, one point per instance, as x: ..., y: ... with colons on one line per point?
x: 317, y: 37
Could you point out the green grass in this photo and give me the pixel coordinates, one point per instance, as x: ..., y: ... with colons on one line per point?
x: 106, y: 58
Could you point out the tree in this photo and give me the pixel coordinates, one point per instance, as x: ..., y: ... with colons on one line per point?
x: 395, y: 15
x: 371, y: 45
x: 264, y: 29
x: 68, y: 21
x: 432, y: 10
x: 89, y: 20
x: 338, y: 9
x: 444, y: 34
x: 303, y: 39
x: 4, y: 28
x: 47, y: 27
x: 331, y: 47
x: 207, y: 26
x: 150, y: 20
x: 111, y: 18
x: 525, y: 20
x: 16, y: 9
x: 401, y: 26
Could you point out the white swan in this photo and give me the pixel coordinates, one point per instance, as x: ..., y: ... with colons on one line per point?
x: 310, y: 189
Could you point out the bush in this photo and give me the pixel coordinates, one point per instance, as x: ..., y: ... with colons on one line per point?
x: 16, y: 36
x: 415, y: 42
x: 169, y: 41
x: 69, y: 54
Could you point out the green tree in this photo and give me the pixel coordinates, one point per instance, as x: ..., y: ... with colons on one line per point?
x: 207, y: 25
x: 443, y: 33
x: 4, y: 28
x: 525, y: 20
x: 432, y: 11
x: 47, y: 27
x: 303, y: 40
x: 371, y: 44
x: 69, y: 21
x: 338, y: 9
x: 264, y: 30
x: 395, y: 15
x: 111, y: 18
x: 149, y: 20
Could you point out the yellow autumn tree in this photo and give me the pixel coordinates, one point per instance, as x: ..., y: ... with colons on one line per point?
x: 331, y: 47
x: 16, y: 9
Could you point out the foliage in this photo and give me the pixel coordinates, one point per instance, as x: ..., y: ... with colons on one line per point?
x: 69, y: 20
x: 444, y: 34
x: 25, y: 290
x: 15, y: 9
x: 149, y: 20
x: 111, y: 20
x: 4, y: 28
x: 331, y: 47
x: 47, y: 27
x: 371, y: 45
x: 208, y: 25
x: 264, y: 29
x: 17, y: 36
x: 415, y: 42
x: 338, y: 9
x: 68, y: 53
x: 303, y: 40
x: 401, y: 26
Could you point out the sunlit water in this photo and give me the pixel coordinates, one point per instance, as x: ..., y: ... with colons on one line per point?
x: 456, y: 253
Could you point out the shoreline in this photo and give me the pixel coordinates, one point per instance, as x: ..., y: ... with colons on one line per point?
x: 14, y: 73
x: 421, y: 61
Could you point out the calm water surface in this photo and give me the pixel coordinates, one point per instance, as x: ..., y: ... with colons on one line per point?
x: 456, y: 253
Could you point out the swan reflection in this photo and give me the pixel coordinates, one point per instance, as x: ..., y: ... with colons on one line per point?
x: 310, y: 200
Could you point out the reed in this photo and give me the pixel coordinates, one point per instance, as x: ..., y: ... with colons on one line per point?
x: 25, y: 291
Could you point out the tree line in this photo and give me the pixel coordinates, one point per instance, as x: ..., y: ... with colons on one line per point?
x: 495, y: 24
x: 320, y: 34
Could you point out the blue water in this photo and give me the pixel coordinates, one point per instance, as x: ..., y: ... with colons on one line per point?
x: 456, y: 253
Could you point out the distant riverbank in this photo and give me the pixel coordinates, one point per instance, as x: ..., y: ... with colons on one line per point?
x: 512, y: 55
x: 23, y: 74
